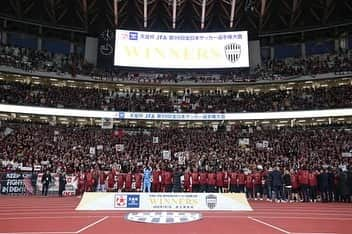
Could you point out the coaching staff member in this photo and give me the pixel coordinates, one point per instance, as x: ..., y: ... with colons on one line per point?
x: 46, y: 180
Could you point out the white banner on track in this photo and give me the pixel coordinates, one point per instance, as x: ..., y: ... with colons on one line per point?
x: 164, y: 201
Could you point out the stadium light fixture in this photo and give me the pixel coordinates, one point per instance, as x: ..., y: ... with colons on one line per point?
x: 203, y: 14
x: 145, y: 12
x: 232, y: 16
x: 174, y: 9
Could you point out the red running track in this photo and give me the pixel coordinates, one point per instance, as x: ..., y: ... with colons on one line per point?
x: 38, y: 215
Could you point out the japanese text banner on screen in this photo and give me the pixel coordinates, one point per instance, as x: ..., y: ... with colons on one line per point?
x: 181, y: 50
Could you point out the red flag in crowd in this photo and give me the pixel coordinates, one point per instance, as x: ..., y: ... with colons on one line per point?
x: 119, y: 133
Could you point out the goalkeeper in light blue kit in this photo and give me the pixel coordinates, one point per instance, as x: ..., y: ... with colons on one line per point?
x: 147, y: 179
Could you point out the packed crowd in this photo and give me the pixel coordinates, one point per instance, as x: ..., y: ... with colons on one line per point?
x: 294, y: 163
x: 40, y: 60
x: 155, y: 101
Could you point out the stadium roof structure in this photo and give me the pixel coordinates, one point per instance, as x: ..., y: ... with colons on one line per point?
x: 256, y: 16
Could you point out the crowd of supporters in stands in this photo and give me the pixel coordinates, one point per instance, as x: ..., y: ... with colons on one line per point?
x: 232, y: 101
x: 73, y: 64
x: 295, y: 163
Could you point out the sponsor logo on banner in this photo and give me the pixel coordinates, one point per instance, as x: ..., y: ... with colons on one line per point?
x: 211, y: 201
x: 124, y: 36
x: 133, y: 201
x: 233, y: 52
x: 127, y: 201
x: 133, y: 36
x: 121, y: 115
x: 121, y: 201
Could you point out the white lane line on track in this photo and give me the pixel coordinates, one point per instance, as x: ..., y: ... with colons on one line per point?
x: 37, y: 232
x: 269, y: 225
x: 313, y: 233
x: 92, y: 224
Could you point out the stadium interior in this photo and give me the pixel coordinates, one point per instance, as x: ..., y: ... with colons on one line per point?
x: 218, y: 116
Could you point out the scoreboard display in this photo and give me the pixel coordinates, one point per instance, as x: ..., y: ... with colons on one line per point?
x: 181, y: 50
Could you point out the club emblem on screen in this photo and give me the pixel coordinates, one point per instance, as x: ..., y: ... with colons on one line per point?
x: 211, y: 201
x: 106, y: 49
x: 233, y: 52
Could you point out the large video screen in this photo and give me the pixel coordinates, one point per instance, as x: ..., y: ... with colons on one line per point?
x: 181, y: 50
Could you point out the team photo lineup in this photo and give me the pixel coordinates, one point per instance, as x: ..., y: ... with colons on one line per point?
x: 175, y: 116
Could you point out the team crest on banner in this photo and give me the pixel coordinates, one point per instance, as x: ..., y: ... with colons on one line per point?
x: 233, y: 52
x: 211, y: 201
x: 121, y: 201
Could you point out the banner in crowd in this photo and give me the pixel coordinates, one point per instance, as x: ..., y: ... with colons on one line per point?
x: 243, y: 141
x: 182, y: 157
x: 119, y: 147
x: 13, y: 183
x: 346, y: 154
x: 155, y: 140
x: 166, y: 154
x: 71, y: 183
x: 164, y: 201
x: 107, y: 123
x: 175, y: 116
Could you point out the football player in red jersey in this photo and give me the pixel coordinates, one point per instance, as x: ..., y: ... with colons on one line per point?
x: 128, y: 182
x: 220, y: 175
x: 90, y: 181
x: 313, y: 184
x: 211, y: 178
x: 303, y: 179
x: 257, y: 185
x: 187, y: 180
x: 138, y: 184
x: 233, y: 185
x: 203, y: 181
x: 156, y: 184
x: 81, y: 183
x: 111, y: 181
x: 120, y: 181
x: 241, y: 180
x: 101, y: 181
x: 168, y: 180
x: 249, y: 185
x: 295, y: 185
x: 194, y: 181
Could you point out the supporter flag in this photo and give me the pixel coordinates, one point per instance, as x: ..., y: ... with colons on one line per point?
x: 259, y: 145
x: 119, y: 133
x: 181, y: 157
x: 105, y: 59
x: 28, y: 185
x: 92, y: 150
x: 107, y: 123
x: 347, y: 155
x: 52, y: 121
x: 119, y: 147
x: 100, y: 147
x: 8, y: 131
x: 155, y: 140
x: 265, y: 144
x: 243, y: 141
x: 166, y: 154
